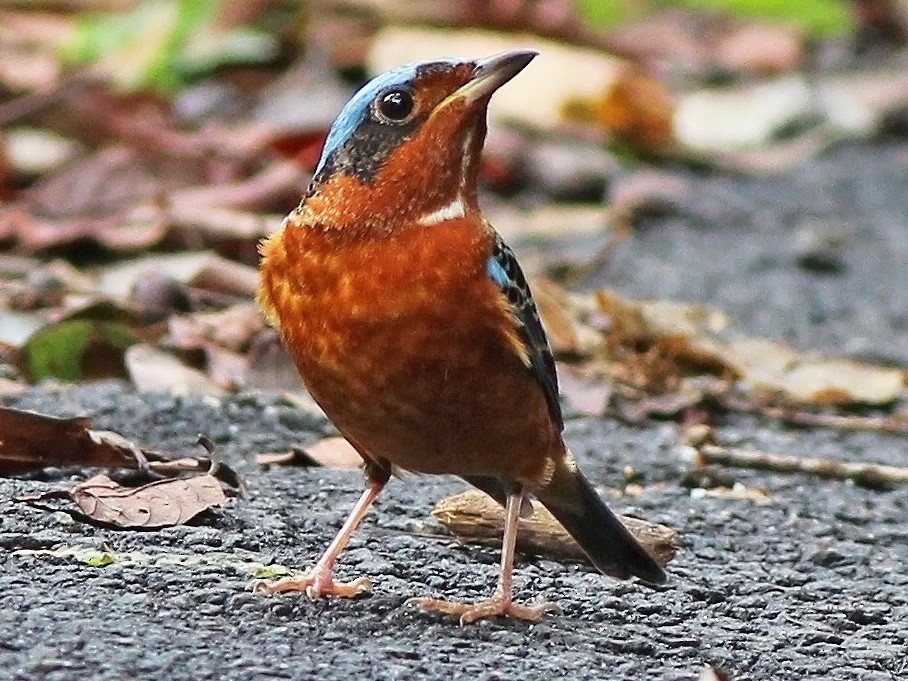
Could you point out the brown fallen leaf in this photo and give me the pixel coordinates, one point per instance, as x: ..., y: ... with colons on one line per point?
x: 205, y: 270
x: 633, y: 406
x: 812, y: 379
x: 473, y: 516
x: 30, y: 50
x: 152, y: 369
x: 331, y: 452
x: 656, y: 343
x: 275, y: 181
x: 31, y: 441
x: 567, y: 319
x: 232, y: 328
x: 224, y: 367
x: 10, y: 387
x: 162, y: 503
x: 634, y: 109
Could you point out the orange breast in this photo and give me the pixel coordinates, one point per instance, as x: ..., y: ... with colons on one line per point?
x: 409, y: 348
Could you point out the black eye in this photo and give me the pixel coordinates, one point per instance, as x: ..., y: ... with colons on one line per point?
x: 395, y: 105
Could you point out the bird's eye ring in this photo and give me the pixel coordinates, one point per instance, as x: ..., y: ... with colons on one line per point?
x: 395, y: 105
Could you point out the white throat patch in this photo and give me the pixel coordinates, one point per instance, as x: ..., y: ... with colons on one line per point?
x: 455, y: 209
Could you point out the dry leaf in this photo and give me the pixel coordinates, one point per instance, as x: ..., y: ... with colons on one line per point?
x: 690, y: 392
x: 152, y: 369
x: 18, y: 327
x: 224, y: 367
x: 549, y: 222
x: 31, y: 47
x: 331, y: 452
x: 35, y: 151
x: 858, y: 104
x: 747, y: 116
x: 133, y: 230
x: 30, y: 441
x: 10, y: 387
x: 232, y: 328
x: 811, y: 379
x: 679, y: 340
x: 295, y: 457
x: 334, y: 452
x: 636, y: 110
x: 761, y: 49
x: 566, y: 319
x: 202, y: 270
x: 162, y: 503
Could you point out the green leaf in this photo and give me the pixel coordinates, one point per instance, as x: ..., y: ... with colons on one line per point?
x: 604, y: 13
x: 57, y: 350
x: 817, y: 17
x: 162, y: 43
x: 76, y: 349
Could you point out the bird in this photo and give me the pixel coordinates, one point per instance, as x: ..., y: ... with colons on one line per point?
x: 413, y: 327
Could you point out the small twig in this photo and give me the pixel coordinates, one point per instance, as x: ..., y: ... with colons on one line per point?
x: 872, y: 475
x: 896, y: 423
x: 893, y: 423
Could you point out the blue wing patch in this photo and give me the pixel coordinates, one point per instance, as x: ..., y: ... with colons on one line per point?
x: 505, y: 271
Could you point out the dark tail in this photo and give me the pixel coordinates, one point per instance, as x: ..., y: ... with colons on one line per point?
x: 610, y: 546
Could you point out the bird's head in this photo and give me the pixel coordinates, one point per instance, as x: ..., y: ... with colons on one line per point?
x: 407, y: 144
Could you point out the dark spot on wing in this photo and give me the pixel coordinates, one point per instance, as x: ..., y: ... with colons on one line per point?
x: 505, y: 271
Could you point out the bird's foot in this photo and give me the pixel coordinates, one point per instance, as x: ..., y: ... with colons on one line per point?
x: 316, y: 584
x: 497, y: 606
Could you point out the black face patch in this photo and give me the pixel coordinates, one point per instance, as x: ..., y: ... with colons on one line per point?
x: 367, y: 149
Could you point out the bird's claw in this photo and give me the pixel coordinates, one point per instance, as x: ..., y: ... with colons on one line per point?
x: 317, y: 584
x: 497, y: 606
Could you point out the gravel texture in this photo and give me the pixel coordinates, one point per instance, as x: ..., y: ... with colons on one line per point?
x: 810, y: 584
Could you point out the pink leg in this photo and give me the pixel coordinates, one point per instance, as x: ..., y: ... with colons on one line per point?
x: 319, y: 581
x: 501, y: 603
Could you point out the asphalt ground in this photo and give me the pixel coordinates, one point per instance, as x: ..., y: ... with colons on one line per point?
x: 809, y: 583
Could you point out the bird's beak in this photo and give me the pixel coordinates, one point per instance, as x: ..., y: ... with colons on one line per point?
x: 490, y: 74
